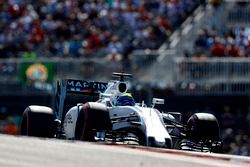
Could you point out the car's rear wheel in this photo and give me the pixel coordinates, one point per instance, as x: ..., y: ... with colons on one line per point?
x: 38, y: 121
x: 92, y: 117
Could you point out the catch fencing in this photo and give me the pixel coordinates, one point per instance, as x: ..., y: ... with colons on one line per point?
x: 62, y: 68
x: 213, y: 75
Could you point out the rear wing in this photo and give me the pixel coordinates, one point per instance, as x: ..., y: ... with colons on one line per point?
x: 74, y: 87
x: 80, y: 86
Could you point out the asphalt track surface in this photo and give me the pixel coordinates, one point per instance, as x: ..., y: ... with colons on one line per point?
x: 36, y: 152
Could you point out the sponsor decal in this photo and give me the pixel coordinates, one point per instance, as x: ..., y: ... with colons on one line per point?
x: 29, y: 72
x: 84, y: 86
x: 69, y: 119
x: 37, y: 72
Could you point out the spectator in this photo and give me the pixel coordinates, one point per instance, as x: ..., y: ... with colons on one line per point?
x: 216, y: 3
x: 241, y: 38
x: 115, y: 45
x: 232, y: 50
x: 227, y: 118
x: 218, y: 49
x: 114, y: 56
x: 10, y: 127
x: 234, y: 43
x: 201, y: 41
x: 228, y: 139
x: 240, y: 146
x: 247, y: 50
x: 94, y: 39
x: 51, y: 26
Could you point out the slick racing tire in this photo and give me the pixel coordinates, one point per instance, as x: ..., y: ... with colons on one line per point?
x: 38, y: 121
x: 203, y: 126
x: 92, y: 117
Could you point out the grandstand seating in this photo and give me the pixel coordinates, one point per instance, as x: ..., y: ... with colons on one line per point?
x: 217, y: 54
x: 85, y: 28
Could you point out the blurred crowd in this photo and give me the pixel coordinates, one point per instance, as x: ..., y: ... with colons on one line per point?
x: 235, y: 130
x: 9, y: 122
x: 69, y: 28
x: 218, y: 40
x: 232, y: 43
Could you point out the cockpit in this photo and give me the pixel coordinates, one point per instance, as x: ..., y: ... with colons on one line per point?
x: 125, y: 99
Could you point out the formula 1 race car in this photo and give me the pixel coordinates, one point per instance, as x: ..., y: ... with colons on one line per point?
x: 106, y: 112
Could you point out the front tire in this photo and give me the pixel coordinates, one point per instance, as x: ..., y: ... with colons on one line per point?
x: 203, y: 134
x: 203, y: 126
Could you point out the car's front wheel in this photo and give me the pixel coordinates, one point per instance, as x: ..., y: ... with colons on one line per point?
x: 203, y: 134
x: 203, y: 126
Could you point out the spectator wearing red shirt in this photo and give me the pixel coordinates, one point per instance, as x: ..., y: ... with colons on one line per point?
x: 10, y: 128
x: 94, y: 39
x: 37, y: 33
x: 218, y: 49
x: 232, y: 50
x: 163, y: 23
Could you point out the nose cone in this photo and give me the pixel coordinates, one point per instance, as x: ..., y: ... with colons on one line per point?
x: 156, y: 131
x: 152, y: 142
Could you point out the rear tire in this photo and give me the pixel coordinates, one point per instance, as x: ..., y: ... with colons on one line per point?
x: 92, y: 116
x: 38, y: 121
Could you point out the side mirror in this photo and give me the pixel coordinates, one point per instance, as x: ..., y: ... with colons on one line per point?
x: 106, y: 97
x: 157, y: 101
x: 177, y: 116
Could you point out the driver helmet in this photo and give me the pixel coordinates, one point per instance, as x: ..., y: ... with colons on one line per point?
x: 125, y: 99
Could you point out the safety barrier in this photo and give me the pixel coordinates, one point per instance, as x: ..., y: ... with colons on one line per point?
x: 10, y: 69
x: 213, y: 75
x: 216, y: 75
x: 212, y: 69
x: 239, y: 13
x: 143, y: 58
x: 87, y: 68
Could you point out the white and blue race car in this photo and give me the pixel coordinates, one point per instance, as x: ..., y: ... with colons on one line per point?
x: 115, y: 117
